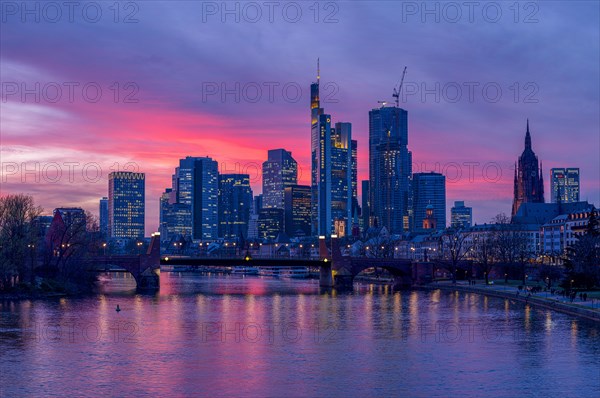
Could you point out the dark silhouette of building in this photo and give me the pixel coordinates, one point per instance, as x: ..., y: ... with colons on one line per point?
x: 104, y: 216
x: 529, y: 183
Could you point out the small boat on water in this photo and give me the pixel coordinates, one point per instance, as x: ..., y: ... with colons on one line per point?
x: 285, y: 272
x: 242, y: 270
x: 182, y: 268
x: 105, y: 278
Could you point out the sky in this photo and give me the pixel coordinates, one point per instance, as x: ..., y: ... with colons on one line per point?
x: 95, y: 87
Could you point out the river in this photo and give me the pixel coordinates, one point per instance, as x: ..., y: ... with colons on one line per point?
x: 223, y: 335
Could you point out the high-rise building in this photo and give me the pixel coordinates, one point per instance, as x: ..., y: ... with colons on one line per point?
x: 279, y: 171
x: 564, y: 185
x: 429, y: 189
x: 297, y: 211
x: 460, y: 215
x: 333, y: 183
x: 126, y: 204
x: 235, y: 203
x: 175, y: 219
x: 258, y: 203
x: 253, y: 226
x: 528, y: 182
x: 389, y: 168
x: 193, y: 199
x: 199, y: 186
x: 366, y: 212
x: 104, y: 216
x: 270, y: 223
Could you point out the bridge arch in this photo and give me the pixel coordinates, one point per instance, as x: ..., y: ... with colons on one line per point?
x: 145, y: 268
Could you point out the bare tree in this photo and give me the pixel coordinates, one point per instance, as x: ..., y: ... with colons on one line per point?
x: 455, y: 246
x: 17, y: 236
x: 583, y: 261
x: 512, y: 248
x: 70, y: 243
x: 484, y: 248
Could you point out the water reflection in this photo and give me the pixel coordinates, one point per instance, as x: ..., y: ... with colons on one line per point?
x: 231, y: 336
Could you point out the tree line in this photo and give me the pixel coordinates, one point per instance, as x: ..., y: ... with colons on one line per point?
x: 29, y: 250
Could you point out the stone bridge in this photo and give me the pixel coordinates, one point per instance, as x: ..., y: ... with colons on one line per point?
x: 335, y: 270
x: 145, y: 268
x: 406, y: 273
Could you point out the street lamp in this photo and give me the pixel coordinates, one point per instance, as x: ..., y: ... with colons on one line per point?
x: 104, y: 247
x: 32, y: 254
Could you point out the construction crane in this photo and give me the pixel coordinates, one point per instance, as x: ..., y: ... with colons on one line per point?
x: 396, y: 94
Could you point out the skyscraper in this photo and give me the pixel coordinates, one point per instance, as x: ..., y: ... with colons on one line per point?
x: 460, y: 215
x: 564, y: 185
x: 528, y: 182
x: 429, y: 189
x: 297, y: 211
x: 126, y: 204
x: 366, y: 212
x: 389, y: 168
x: 175, y: 219
x: 235, y: 203
x: 279, y: 171
x: 258, y: 203
x: 104, y: 216
x: 270, y: 223
x: 193, y: 199
x: 333, y: 183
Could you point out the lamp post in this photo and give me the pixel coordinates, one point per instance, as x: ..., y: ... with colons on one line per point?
x: 104, y: 247
x: 32, y: 253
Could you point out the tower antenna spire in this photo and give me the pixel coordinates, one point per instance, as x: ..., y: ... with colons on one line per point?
x: 318, y: 70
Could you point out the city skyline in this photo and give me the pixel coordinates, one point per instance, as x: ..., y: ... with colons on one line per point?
x: 171, y: 119
x: 326, y: 198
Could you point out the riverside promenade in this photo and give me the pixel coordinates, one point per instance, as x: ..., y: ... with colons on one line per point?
x: 589, y: 309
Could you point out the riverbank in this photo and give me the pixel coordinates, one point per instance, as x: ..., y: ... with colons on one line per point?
x: 589, y: 310
x: 45, y: 289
